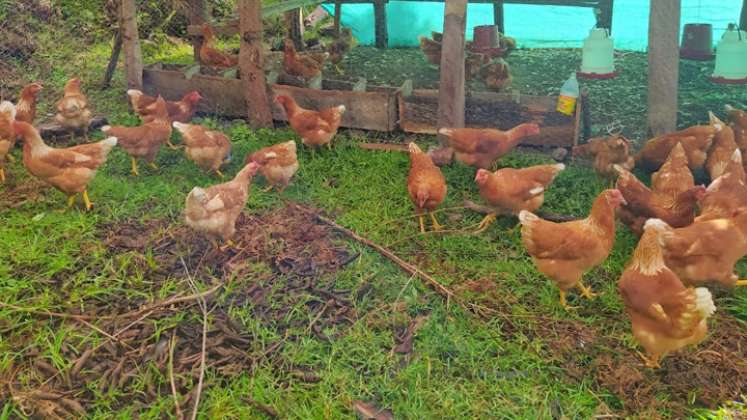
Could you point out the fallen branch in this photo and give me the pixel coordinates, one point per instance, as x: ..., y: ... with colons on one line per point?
x: 55, y: 130
x: 480, y: 208
x: 442, y: 290
x: 203, y: 308
x: 178, y: 409
x: 438, y: 287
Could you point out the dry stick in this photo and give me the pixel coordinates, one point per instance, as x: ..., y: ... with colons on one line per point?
x: 415, y: 271
x: 179, y: 414
x: 441, y: 289
x: 203, y: 307
x: 113, y: 59
x: 558, y: 218
x: 104, y: 333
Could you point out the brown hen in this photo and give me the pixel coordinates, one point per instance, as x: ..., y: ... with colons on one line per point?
x: 426, y: 185
x: 481, y: 147
x: 565, y: 251
x: 665, y: 315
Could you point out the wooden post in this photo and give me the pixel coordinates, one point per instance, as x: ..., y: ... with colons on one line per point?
x: 382, y: 37
x: 196, y: 15
x: 337, y: 17
x: 498, y: 16
x: 250, y: 63
x: 743, y: 17
x: 604, y: 14
x: 294, y: 22
x: 663, y: 65
x: 113, y: 59
x: 451, y: 88
x: 131, y: 43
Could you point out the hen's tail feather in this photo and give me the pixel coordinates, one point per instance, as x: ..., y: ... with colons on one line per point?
x: 526, y: 218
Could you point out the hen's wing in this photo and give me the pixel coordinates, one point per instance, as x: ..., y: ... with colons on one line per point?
x: 560, y: 241
x: 310, y: 120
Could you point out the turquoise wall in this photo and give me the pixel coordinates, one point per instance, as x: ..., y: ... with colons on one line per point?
x: 534, y: 26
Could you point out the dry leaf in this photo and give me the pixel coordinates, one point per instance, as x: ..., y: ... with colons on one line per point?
x: 368, y: 411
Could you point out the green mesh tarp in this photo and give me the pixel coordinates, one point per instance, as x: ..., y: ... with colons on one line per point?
x: 533, y: 26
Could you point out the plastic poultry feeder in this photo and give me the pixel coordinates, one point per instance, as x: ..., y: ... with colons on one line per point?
x: 598, y: 56
x: 731, y: 58
x: 697, y: 42
x: 486, y: 40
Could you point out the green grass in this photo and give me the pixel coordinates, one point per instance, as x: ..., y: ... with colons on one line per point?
x: 461, y: 366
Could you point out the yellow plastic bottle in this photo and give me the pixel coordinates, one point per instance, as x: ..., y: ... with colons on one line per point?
x: 568, y: 96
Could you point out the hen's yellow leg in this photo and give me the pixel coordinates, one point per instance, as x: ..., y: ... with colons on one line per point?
x: 153, y: 165
x: 485, y: 223
x: 2, y: 175
x: 650, y: 362
x: 586, y: 291
x: 338, y: 69
x: 422, y: 223
x: 86, y: 200
x: 436, y: 225
x: 741, y: 283
x: 564, y: 302
x: 329, y: 145
x: 10, y: 158
x: 268, y: 189
x: 229, y: 244
x: 219, y: 173
x: 171, y: 145
x: 134, y: 167
x: 70, y: 203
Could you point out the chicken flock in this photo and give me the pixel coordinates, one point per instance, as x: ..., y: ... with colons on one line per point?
x: 680, y: 249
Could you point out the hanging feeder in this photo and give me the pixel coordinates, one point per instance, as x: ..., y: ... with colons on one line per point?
x: 487, y: 40
x: 731, y: 57
x: 598, y: 56
x: 697, y: 42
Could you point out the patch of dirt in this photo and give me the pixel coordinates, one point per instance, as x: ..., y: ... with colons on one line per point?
x: 17, y: 194
x: 709, y: 374
x: 135, y: 357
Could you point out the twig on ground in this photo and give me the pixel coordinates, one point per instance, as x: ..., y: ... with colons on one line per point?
x: 203, y: 308
x: 179, y: 414
x: 480, y: 208
x: 438, y: 287
x: 262, y: 407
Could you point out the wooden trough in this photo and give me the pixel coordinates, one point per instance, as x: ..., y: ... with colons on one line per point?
x: 375, y: 108
x: 418, y: 113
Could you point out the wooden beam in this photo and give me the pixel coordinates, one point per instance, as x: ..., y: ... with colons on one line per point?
x: 382, y: 37
x: 337, y: 17
x: 294, y: 22
x: 498, y: 16
x: 196, y: 14
x: 663, y: 65
x: 604, y: 14
x: 250, y: 63
x: 451, y: 88
x: 743, y: 17
x: 131, y: 43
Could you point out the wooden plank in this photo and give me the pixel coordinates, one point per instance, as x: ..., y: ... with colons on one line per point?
x: 53, y: 130
x: 196, y: 15
x: 374, y: 110
x: 663, y: 65
x: 338, y: 16
x: 250, y: 64
x: 382, y: 36
x: 604, y: 14
x: 418, y: 114
x: 498, y: 19
x: 131, y: 43
x: 221, y: 96
x: 451, y: 88
x: 294, y: 22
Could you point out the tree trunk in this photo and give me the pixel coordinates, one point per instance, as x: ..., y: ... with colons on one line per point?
x: 131, y: 43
